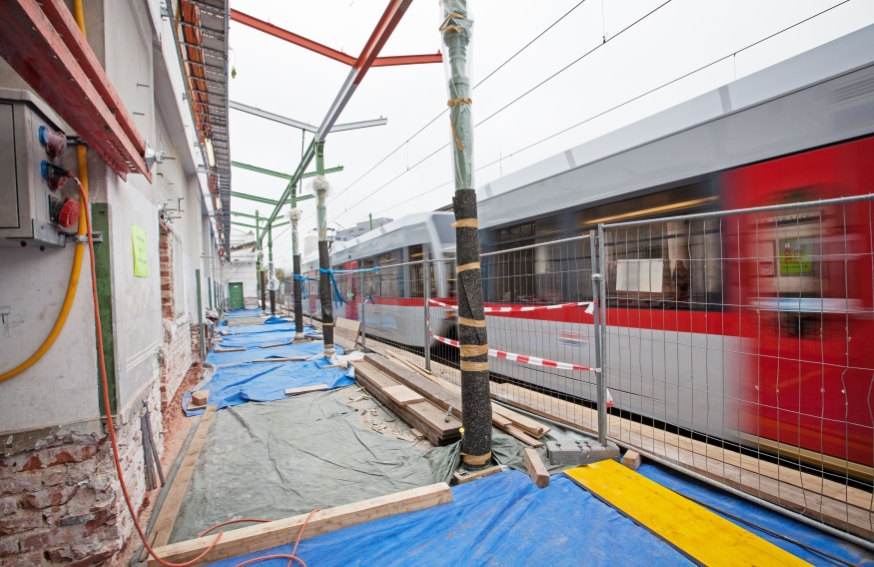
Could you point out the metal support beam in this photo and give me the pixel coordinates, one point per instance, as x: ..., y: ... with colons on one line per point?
x: 265, y: 200
x: 237, y: 223
x: 391, y: 17
x: 281, y: 175
x: 54, y: 69
x: 303, y: 125
x: 329, y: 52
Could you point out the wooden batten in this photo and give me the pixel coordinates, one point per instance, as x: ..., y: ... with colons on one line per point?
x: 259, y: 537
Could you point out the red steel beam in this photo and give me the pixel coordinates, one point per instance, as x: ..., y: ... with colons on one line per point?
x: 64, y: 23
x: 33, y: 48
x: 290, y: 37
x: 394, y: 60
x: 329, y: 52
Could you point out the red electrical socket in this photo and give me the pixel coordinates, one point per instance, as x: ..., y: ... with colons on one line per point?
x: 66, y: 212
x: 55, y: 142
x: 54, y: 175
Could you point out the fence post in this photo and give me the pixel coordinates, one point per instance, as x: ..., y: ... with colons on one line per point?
x: 426, y: 294
x: 599, y: 372
x: 602, y: 317
x: 363, y: 326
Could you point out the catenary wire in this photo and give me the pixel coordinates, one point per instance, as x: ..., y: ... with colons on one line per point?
x: 508, y: 105
x: 618, y: 106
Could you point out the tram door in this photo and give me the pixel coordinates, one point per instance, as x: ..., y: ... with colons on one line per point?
x: 803, y: 299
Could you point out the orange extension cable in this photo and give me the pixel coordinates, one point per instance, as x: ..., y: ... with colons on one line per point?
x: 105, y: 387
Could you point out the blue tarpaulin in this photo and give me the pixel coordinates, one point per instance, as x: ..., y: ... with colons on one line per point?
x: 773, y: 521
x: 311, y: 348
x: 267, y: 381
x: 502, y: 519
x: 243, y: 313
x: 260, y: 328
x: 258, y: 339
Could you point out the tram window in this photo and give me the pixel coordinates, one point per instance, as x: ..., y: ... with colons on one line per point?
x: 674, y: 264
x: 695, y: 197
x: 390, y: 282
x: 416, y: 271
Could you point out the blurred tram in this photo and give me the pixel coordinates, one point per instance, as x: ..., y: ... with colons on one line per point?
x: 394, y: 294
x: 753, y: 329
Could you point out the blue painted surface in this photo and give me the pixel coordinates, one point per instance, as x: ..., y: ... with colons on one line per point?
x: 502, y: 519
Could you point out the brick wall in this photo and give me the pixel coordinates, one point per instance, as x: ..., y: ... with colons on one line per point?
x: 178, y: 352
x: 60, y: 501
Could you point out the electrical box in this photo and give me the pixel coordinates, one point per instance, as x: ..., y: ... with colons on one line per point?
x: 39, y: 204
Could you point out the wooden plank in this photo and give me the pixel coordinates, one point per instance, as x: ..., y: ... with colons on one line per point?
x: 403, y: 395
x: 433, y: 392
x: 170, y: 509
x: 435, y: 418
x: 373, y: 374
x: 423, y: 415
x: 364, y: 373
x: 462, y: 476
x: 522, y: 436
x: 705, y: 537
x: 271, y: 345
x: 533, y: 428
x: 233, y: 349
x: 632, y: 460
x: 538, y: 473
x: 264, y: 536
x: 306, y: 389
x: 417, y: 434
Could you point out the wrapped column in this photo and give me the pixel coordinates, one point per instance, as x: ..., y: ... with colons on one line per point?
x: 320, y: 188
x: 456, y: 29
x: 294, y: 216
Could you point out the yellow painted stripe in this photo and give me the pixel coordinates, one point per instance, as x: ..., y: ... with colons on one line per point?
x: 693, y: 529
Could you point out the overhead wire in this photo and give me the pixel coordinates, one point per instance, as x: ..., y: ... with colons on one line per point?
x: 620, y: 105
x: 444, y: 111
x: 511, y: 103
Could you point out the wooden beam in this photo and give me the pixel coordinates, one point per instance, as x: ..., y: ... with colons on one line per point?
x: 306, y: 389
x: 463, y: 476
x: 264, y: 536
x: 632, y: 460
x: 538, y: 473
x: 35, y: 50
x: 160, y: 534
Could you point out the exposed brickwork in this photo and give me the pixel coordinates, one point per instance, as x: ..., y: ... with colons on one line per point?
x: 60, y: 502
x: 180, y: 349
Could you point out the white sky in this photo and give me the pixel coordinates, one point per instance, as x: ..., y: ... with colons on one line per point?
x: 678, y: 38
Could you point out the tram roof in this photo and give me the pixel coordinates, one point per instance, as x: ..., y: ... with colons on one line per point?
x: 849, y: 52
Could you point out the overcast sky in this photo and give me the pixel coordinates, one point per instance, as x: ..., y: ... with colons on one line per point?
x: 676, y: 38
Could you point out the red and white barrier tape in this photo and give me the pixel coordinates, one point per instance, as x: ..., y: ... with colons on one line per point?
x: 590, y: 307
x: 531, y: 360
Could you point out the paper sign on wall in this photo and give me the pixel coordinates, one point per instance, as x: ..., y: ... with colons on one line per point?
x: 141, y: 252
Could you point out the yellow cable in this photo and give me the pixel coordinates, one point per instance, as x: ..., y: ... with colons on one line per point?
x: 77, y: 256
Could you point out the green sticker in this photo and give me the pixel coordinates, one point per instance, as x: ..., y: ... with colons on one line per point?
x: 141, y: 252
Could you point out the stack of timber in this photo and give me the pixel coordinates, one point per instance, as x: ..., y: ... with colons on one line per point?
x: 447, y: 397
x: 407, y: 404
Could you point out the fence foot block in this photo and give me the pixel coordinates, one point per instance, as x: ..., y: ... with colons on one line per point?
x: 580, y: 452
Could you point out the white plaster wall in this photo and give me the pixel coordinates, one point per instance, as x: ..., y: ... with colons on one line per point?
x: 61, y: 387
x: 240, y: 272
x: 137, y: 301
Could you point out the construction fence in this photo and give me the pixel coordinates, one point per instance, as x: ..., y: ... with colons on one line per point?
x: 732, y: 345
